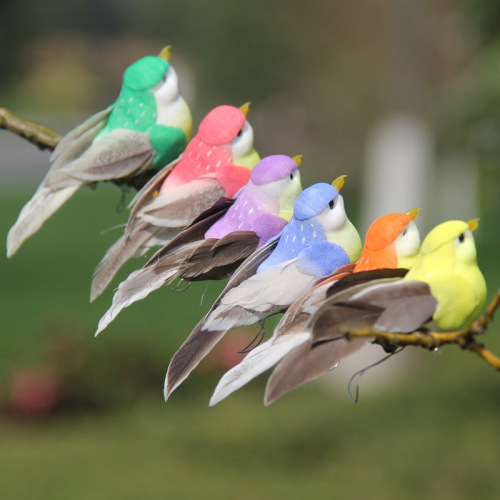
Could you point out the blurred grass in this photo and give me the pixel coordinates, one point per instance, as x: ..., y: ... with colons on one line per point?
x: 429, y: 440
x: 435, y: 434
x: 49, y: 278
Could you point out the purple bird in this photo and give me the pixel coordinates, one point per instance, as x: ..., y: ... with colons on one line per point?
x: 318, y: 239
x: 261, y: 210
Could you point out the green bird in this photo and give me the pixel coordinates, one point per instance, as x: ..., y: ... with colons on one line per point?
x: 145, y: 129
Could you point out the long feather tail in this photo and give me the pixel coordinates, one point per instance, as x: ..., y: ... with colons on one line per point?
x: 132, y: 244
x: 257, y: 361
x: 308, y: 362
x: 126, y: 247
x: 45, y: 202
x: 136, y: 287
x: 186, y: 359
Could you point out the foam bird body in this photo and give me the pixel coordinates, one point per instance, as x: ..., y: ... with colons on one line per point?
x: 391, y: 241
x: 260, y: 211
x: 216, y: 163
x: 318, y: 239
x: 147, y: 127
x: 448, y: 263
x: 444, y: 286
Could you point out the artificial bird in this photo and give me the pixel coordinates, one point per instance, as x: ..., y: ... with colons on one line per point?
x: 391, y: 241
x: 216, y: 163
x: 443, y: 289
x: 146, y: 128
x: 260, y: 211
x: 318, y: 239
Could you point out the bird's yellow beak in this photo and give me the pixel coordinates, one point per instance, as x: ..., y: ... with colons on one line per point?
x: 244, y: 108
x: 165, y: 53
x: 413, y: 213
x: 297, y: 159
x: 339, y: 182
x: 473, y: 223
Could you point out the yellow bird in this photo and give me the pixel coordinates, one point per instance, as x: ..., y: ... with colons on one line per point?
x: 447, y: 262
x: 444, y: 285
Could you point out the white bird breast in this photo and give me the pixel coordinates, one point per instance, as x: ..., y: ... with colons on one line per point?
x: 167, y: 89
x: 169, y: 103
x: 333, y: 218
x: 291, y: 187
x: 242, y: 144
x: 408, y: 242
x: 466, y: 248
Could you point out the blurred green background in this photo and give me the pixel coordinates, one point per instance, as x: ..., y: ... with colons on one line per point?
x: 84, y: 417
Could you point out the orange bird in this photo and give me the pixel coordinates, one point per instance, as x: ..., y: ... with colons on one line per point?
x: 392, y: 241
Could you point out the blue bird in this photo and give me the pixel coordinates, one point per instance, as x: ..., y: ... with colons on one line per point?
x: 318, y: 239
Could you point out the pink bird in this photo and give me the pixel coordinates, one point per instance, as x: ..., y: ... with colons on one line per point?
x: 261, y: 209
x: 217, y: 163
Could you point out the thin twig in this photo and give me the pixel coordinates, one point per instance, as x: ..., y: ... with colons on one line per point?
x: 37, y: 134
x: 429, y: 339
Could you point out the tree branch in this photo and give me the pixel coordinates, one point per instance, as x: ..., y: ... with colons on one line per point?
x: 46, y: 138
x: 39, y: 135
x: 430, y: 339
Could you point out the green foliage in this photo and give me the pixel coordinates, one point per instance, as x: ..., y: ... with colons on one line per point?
x: 484, y: 16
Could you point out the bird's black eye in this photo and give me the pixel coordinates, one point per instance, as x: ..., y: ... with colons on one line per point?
x: 240, y: 132
x: 291, y: 176
x: 331, y: 204
x: 461, y: 238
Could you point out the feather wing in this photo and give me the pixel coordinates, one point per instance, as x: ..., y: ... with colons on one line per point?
x: 201, y: 342
x: 389, y: 305
x: 80, y: 138
x: 393, y: 305
x: 180, y: 206
x: 208, y: 259
x: 196, y: 230
x: 307, y: 362
x: 257, y: 361
x: 217, y: 259
x: 44, y: 203
x: 263, y: 294
x: 127, y: 246
x: 120, y: 153
x: 56, y: 188
x: 149, y: 191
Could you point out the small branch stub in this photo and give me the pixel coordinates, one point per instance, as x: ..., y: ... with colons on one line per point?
x: 39, y: 135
